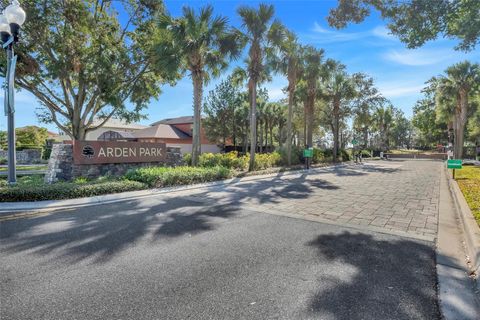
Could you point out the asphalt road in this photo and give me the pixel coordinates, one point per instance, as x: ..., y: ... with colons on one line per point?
x: 171, y: 258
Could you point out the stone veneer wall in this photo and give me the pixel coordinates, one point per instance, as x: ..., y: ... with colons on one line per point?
x: 27, y: 156
x: 62, y: 168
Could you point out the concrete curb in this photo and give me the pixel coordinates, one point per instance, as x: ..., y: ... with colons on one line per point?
x: 470, y: 228
x: 7, y: 208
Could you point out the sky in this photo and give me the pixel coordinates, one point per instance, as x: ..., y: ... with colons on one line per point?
x: 399, y: 73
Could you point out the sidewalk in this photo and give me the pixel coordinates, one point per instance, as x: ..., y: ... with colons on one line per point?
x: 458, y: 298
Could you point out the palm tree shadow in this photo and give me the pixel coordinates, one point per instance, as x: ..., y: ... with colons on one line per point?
x: 393, y: 279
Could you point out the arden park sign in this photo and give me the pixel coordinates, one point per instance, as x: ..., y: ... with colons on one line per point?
x: 97, y: 152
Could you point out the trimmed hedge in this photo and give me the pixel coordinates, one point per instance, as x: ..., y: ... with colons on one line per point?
x: 266, y: 160
x: 66, y: 190
x: 165, y: 176
x: 232, y: 160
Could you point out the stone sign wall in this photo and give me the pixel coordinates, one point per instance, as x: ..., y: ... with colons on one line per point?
x: 94, y: 152
x: 27, y: 156
x: 62, y: 166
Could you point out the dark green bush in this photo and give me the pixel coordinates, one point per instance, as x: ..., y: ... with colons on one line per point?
x: 3, y: 160
x: 166, y: 176
x: 65, y: 190
x: 344, y: 155
x: 328, y: 153
x: 187, y: 159
x: 366, y: 154
x: 297, y: 154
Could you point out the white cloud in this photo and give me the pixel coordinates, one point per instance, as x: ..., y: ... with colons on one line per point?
x: 323, y: 35
x: 419, y: 57
x: 383, y: 32
x: 395, y: 90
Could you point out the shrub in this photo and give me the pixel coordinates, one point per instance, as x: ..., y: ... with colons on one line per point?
x: 297, y: 154
x: 229, y: 160
x: 80, y: 180
x: 318, y: 156
x: 187, y: 159
x: 3, y: 160
x: 267, y: 160
x: 366, y: 154
x: 166, y: 176
x: 65, y: 190
x: 328, y: 153
x: 344, y: 155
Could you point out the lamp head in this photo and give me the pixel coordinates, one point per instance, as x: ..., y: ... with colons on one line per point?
x: 15, y: 14
x: 4, y: 28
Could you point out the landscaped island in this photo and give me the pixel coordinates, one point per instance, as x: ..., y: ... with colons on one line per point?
x: 212, y: 167
x: 468, y: 180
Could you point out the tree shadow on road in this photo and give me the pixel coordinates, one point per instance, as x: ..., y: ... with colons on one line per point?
x: 103, y: 231
x: 393, y: 279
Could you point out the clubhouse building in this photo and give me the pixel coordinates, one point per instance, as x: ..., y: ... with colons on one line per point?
x: 174, y: 132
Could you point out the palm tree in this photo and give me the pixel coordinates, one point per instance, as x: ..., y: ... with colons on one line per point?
x: 288, y: 62
x: 383, y: 122
x: 367, y: 99
x: 339, y: 90
x: 312, y: 60
x: 202, y: 45
x: 258, y: 32
x: 458, y: 85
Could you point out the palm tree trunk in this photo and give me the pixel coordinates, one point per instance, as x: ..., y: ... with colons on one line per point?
x: 311, y: 102
x: 289, y: 125
x: 336, y: 108
x: 271, y: 137
x: 305, y: 107
x: 266, y: 135
x: 197, y: 104
x: 253, y: 124
x: 260, y: 124
x: 460, y: 124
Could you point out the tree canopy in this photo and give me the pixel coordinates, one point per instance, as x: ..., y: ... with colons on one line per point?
x: 417, y: 21
x: 81, y: 63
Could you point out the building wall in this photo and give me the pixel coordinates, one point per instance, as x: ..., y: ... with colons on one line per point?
x: 185, y: 145
x: 187, y: 128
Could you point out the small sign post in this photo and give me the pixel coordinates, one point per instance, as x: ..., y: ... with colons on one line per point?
x: 308, y: 154
x: 454, y: 164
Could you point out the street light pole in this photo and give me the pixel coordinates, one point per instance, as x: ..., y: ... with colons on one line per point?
x: 11, y: 20
x: 12, y: 170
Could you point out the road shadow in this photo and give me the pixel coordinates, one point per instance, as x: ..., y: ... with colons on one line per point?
x: 101, y: 232
x: 392, y: 279
x: 268, y: 191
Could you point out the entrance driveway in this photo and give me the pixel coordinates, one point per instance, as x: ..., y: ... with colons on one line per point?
x: 399, y: 197
x: 211, y: 253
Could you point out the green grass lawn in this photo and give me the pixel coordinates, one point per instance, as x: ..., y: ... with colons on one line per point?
x: 468, y: 180
x: 26, y: 168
